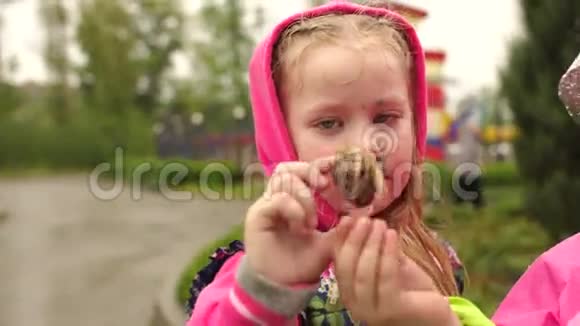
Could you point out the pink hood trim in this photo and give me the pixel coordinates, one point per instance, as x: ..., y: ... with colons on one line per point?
x: 273, y: 142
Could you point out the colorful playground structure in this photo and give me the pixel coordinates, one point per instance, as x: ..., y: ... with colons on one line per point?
x: 440, y: 122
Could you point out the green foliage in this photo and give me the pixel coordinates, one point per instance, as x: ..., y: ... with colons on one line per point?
x: 180, y: 173
x: 10, y: 98
x: 501, y: 174
x: 496, y: 251
x: 201, y: 259
x: 81, y: 143
x: 495, y: 244
x: 547, y: 149
x: 128, y: 49
x: 110, y: 74
x: 158, y: 28
x: 555, y: 204
x: 30, y: 145
x: 220, y: 56
x: 55, y: 20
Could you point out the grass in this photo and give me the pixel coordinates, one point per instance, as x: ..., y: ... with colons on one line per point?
x: 201, y: 259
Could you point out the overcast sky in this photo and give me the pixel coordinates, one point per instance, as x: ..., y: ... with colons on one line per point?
x: 474, y: 33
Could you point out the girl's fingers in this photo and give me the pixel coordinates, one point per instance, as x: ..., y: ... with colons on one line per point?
x: 342, y: 230
x: 300, y: 179
x: 291, y: 184
x: 329, y: 241
x: 389, y: 267
x: 348, y: 256
x: 311, y: 173
x: 367, y: 272
x: 279, y: 207
x: 325, y: 164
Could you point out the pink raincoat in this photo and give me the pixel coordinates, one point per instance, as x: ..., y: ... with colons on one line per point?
x: 548, y: 294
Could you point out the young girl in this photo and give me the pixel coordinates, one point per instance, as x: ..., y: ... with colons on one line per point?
x: 335, y: 76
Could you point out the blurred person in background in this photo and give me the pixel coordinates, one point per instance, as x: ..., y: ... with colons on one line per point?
x: 465, y: 154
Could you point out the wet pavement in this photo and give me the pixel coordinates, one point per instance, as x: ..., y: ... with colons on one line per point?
x: 70, y: 258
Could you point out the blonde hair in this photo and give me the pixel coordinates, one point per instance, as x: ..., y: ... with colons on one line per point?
x: 335, y: 29
x: 417, y: 241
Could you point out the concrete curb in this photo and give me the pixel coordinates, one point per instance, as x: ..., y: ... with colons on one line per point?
x: 166, y: 310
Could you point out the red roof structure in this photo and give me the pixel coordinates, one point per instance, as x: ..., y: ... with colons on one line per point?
x: 435, y: 55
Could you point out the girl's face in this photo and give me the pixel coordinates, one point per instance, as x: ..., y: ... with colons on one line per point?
x: 338, y: 97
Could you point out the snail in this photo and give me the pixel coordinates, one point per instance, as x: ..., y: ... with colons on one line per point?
x: 358, y: 175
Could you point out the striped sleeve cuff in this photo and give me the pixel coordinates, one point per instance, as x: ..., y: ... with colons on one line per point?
x: 261, y: 297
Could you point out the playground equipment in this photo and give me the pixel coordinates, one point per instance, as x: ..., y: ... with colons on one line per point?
x: 441, y: 125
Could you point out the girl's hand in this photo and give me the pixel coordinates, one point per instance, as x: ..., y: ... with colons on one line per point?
x: 281, y: 240
x: 378, y: 284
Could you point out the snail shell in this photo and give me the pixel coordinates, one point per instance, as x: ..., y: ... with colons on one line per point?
x: 358, y: 176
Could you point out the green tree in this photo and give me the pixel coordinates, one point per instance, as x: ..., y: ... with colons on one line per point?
x: 158, y: 28
x: 55, y: 20
x: 10, y: 97
x: 109, y: 75
x: 221, y: 48
x: 128, y: 46
x: 547, y: 150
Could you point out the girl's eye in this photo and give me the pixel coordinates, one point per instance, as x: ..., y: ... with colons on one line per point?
x: 383, y: 118
x: 328, y: 124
